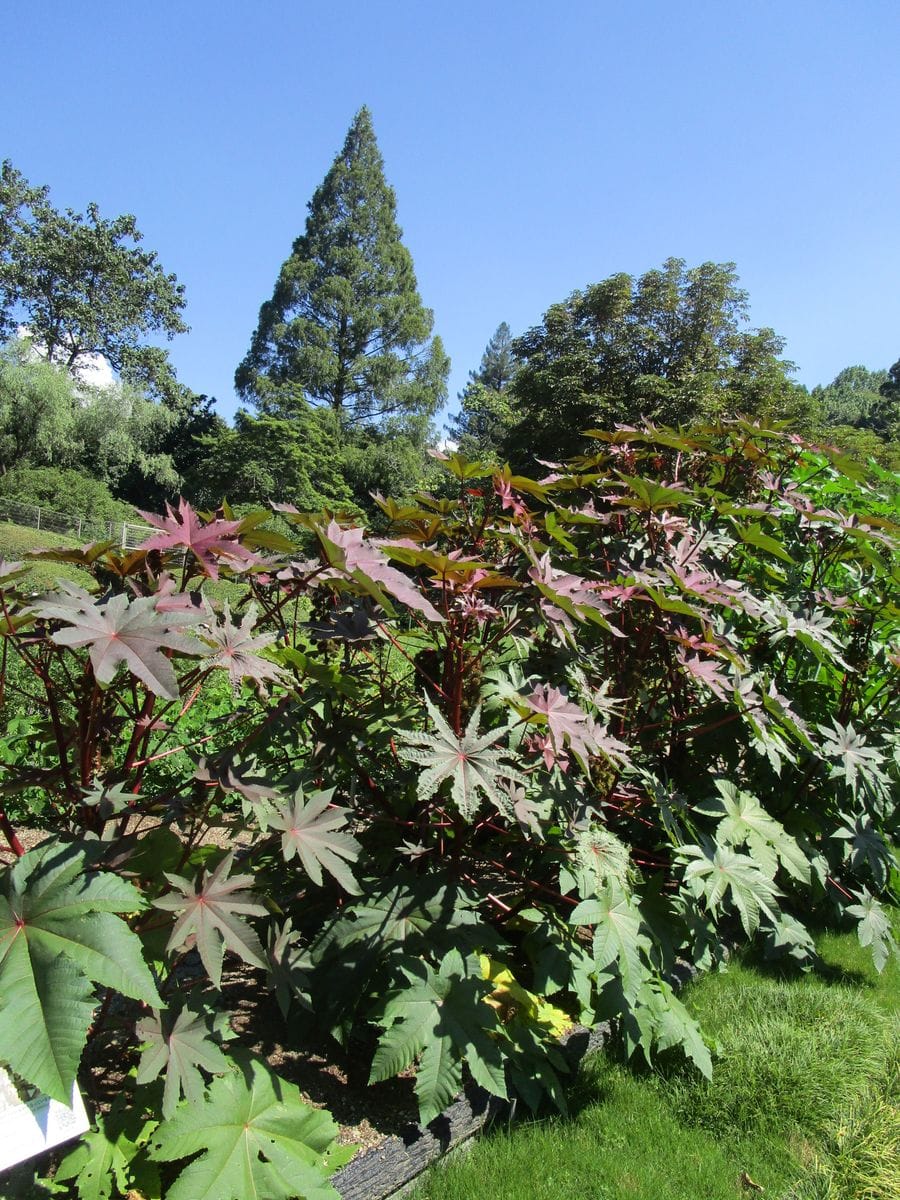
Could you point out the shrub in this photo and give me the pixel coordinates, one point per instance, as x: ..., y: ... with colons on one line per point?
x: 495, y: 772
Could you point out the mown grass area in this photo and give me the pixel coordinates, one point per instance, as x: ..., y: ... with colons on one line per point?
x: 18, y: 541
x: 804, y: 1102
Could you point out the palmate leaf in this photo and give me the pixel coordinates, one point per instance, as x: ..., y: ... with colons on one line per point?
x: 312, y: 830
x: 744, y: 822
x: 362, y: 560
x: 616, y: 921
x: 254, y: 1138
x: 109, y: 1157
x: 866, y: 848
x: 874, y: 928
x: 441, y: 1019
x: 118, y: 631
x: 180, y: 1045
x: 211, y: 917
x: 468, y: 761
x: 568, y: 722
x: 857, y: 762
x: 234, y: 649
x: 207, y: 541
x: 712, y: 871
x: 58, y: 935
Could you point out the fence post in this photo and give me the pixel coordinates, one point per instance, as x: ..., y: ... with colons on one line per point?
x: 124, y: 534
x: 38, y: 518
x: 78, y: 535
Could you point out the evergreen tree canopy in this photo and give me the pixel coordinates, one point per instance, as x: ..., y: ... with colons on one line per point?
x: 485, y: 411
x: 669, y: 346
x: 498, y: 363
x: 345, y: 327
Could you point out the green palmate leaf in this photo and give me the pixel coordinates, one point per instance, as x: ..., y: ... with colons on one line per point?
x: 874, y: 928
x: 617, y: 923
x: 441, y: 1019
x: 652, y: 496
x: 234, y: 649
x: 857, y: 762
x: 110, y: 1156
x: 754, y: 536
x: 58, y: 935
x: 119, y: 631
x: 744, y: 822
x: 254, y: 1138
x: 210, y: 916
x: 866, y: 848
x: 467, y: 761
x: 311, y: 829
x: 712, y: 871
x: 664, y: 1022
x: 180, y: 1045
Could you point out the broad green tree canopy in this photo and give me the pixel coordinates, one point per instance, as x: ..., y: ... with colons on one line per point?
x: 671, y: 346
x: 82, y: 285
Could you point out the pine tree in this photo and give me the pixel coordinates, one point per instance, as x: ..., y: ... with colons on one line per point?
x: 485, y: 413
x: 345, y: 327
x: 498, y: 363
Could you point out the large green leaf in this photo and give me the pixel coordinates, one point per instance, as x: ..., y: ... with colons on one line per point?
x: 468, y: 761
x: 211, y: 916
x: 440, y: 1019
x: 744, y: 822
x: 180, y: 1046
x: 616, y: 921
x: 58, y: 935
x: 712, y: 871
x: 311, y: 828
x: 254, y: 1138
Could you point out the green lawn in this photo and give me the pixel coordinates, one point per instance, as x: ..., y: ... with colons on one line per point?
x: 805, y: 1100
x: 18, y: 541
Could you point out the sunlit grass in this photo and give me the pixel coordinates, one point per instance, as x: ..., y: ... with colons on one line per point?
x: 804, y: 1102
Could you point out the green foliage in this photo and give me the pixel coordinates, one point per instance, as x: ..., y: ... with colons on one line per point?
x: 58, y: 934
x: 667, y: 347
x: 83, y: 286
x: 80, y: 495
x: 252, y: 1136
x: 345, y: 327
x: 583, y: 727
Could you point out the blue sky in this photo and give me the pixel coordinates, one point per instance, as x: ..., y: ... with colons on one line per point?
x: 533, y: 149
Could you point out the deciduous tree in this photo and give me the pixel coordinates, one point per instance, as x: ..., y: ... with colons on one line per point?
x: 83, y: 285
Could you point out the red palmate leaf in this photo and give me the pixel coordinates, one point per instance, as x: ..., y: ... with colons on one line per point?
x: 206, y: 541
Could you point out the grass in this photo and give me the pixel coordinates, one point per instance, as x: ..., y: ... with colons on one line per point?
x: 805, y: 1101
x: 18, y: 541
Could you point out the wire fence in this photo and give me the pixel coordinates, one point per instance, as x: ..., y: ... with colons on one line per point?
x: 127, y: 534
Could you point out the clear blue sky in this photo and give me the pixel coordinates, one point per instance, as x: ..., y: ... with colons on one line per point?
x: 533, y: 148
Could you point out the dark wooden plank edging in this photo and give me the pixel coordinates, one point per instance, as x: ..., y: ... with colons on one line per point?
x: 385, y: 1169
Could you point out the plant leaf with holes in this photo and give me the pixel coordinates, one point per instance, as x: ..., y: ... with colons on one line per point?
x: 312, y: 830
x: 121, y: 631
x: 211, y: 917
x: 251, y: 1137
x: 468, y: 762
x: 59, y: 935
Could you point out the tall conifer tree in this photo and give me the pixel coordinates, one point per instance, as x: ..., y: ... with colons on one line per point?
x: 345, y: 327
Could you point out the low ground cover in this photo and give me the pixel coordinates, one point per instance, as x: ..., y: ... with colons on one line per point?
x: 804, y: 1101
